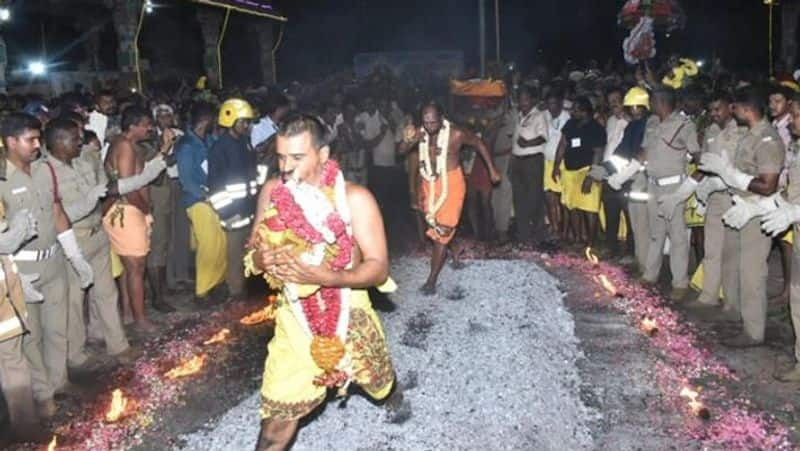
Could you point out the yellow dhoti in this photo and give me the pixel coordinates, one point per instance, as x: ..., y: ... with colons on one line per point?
x: 288, y: 391
x: 549, y: 184
x: 572, y: 196
x: 210, y: 244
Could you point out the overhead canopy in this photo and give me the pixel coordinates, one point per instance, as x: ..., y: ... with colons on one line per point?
x: 253, y: 7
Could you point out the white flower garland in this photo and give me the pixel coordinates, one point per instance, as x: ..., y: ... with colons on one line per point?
x: 317, y: 207
x: 429, y: 175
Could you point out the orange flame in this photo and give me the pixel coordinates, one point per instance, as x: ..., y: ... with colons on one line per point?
x: 605, y: 283
x: 697, y: 407
x: 649, y: 326
x: 53, y: 444
x: 187, y: 368
x: 117, y: 407
x: 257, y: 317
x: 591, y: 256
x: 219, y: 337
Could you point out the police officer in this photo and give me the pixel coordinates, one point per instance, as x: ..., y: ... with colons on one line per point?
x: 752, y: 176
x: 29, y: 185
x: 81, y: 186
x: 669, y: 141
x: 233, y: 184
x: 783, y: 215
x: 719, y: 268
x: 15, y: 374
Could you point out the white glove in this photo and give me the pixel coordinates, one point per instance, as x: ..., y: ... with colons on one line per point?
x: 699, y: 208
x: 152, y: 169
x: 668, y: 203
x: 746, y: 209
x: 732, y: 177
x: 707, y: 186
x: 32, y: 295
x: 70, y: 245
x: 617, y: 180
x: 78, y: 210
x: 598, y: 173
x: 781, y: 218
x: 21, y: 228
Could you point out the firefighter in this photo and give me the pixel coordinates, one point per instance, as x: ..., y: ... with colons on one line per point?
x: 625, y: 170
x: 233, y: 185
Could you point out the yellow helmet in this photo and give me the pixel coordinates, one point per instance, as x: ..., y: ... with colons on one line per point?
x: 637, y: 96
x: 232, y: 110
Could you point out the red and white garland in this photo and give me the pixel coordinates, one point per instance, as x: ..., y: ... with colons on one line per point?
x: 321, y: 217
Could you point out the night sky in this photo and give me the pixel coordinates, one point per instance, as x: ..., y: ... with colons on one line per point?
x: 323, y: 35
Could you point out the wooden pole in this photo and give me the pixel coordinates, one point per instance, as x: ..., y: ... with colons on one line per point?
x: 219, y: 46
x: 482, y: 35
x: 497, y: 29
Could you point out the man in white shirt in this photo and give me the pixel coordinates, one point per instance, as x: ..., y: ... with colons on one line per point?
x: 527, y: 169
x: 556, y: 117
x: 384, y: 174
x: 615, y: 202
x: 275, y: 109
x: 779, y: 101
x: 100, y: 117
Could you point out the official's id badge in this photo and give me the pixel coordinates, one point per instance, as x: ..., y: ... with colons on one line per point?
x: 576, y: 142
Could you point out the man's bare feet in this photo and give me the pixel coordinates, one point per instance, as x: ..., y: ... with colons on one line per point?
x: 145, y: 327
x: 429, y: 289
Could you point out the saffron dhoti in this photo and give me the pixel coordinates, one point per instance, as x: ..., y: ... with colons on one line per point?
x: 128, y: 230
x: 288, y: 391
x: 450, y: 212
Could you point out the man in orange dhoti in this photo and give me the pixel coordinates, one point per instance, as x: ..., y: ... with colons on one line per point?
x: 442, y: 185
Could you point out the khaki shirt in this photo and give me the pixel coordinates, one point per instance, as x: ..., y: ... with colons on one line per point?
x: 75, y: 182
x: 34, y: 193
x: 723, y: 142
x: 761, y: 151
x: 13, y: 312
x: 667, y: 144
x: 793, y: 188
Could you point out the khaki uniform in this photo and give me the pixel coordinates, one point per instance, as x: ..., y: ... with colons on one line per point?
x: 667, y: 144
x: 761, y: 151
x: 501, y: 193
x: 161, y: 210
x: 720, y: 268
x: 46, y: 345
x: 15, y: 374
x: 793, y: 195
x: 75, y: 182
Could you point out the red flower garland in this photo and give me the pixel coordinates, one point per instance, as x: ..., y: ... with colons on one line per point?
x: 322, y: 308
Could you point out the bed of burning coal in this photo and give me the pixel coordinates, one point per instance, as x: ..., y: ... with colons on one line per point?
x: 519, y: 350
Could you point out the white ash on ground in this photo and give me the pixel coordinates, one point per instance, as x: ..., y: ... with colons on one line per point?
x: 493, y: 357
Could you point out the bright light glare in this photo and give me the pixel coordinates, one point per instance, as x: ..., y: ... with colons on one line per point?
x: 701, y: 63
x: 5, y: 14
x: 148, y: 7
x: 37, y: 68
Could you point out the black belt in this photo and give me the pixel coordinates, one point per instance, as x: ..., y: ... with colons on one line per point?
x: 526, y: 157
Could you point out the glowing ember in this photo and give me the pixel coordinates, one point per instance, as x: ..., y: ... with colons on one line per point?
x: 117, y: 407
x: 53, y: 444
x: 257, y: 317
x: 187, y: 368
x: 649, y: 326
x: 697, y: 407
x: 219, y: 337
x: 605, y: 283
x: 591, y: 256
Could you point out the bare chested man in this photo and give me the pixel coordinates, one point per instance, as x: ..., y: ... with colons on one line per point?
x: 442, y: 189
x: 291, y: 388
x: 127, y: 218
